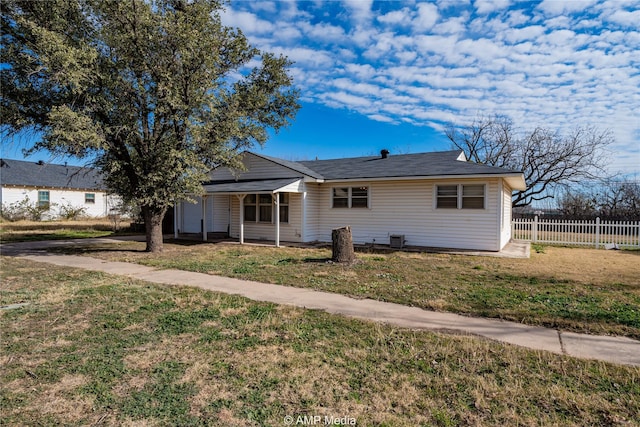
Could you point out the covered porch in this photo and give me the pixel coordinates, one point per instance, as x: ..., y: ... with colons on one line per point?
x: 244, y: 207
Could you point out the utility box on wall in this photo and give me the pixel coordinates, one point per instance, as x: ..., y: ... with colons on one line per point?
x: 396, y: 241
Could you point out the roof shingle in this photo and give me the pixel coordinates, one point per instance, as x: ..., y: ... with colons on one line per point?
x: 47, y: 175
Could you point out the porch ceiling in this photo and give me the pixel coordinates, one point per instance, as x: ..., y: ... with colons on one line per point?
x: 254, y: 186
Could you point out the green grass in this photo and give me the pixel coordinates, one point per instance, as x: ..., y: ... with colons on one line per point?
x: 603, y: 301
x: 25, y: 231
x: 57, y: 235
x: 94, y: 349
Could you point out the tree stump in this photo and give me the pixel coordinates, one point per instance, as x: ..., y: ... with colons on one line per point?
x: 342, y: 245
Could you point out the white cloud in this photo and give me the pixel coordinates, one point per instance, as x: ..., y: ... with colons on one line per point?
x: 488, y: 6
x: 306, y: 56
x: 426, y: 18
x: 395, y: 17
x: 360, y: 9
x: 557, y: 7
x: 626, y: 18
x: 514, y: 35
x: 322, y: 32
x: 248, y: 22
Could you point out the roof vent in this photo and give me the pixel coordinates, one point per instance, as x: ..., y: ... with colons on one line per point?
x: 384, y: 153
x: 40, y: 162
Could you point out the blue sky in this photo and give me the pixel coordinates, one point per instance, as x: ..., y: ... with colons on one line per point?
x: 393, y: 74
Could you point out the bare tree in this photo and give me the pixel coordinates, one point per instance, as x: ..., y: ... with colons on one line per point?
x: 614, y: 200
x: 547, y: 158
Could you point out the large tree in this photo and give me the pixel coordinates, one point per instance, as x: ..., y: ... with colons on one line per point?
x: 547, y: 158
x: 155, y: 92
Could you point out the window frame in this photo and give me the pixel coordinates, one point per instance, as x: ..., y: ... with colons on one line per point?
x: 254, y: 204
x: 349, y: 198
x: 460, y: 197
x: 90, y: 198
x: 268, y: 208
x: 253, y: 207
x: 41, y: 202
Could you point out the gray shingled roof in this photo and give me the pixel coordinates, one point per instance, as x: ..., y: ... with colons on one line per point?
x: 295, y: 166
x: 442, y: 163
x: 47, y: 175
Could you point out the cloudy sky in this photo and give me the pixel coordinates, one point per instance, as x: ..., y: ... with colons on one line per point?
x: 392, y: 74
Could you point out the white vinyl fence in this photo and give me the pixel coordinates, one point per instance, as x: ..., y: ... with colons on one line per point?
x: 622, y: 234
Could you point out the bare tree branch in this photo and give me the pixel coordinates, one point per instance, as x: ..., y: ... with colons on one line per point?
x: 547, y: 159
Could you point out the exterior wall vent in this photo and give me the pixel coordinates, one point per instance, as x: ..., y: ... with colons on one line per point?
x: 396, y: 241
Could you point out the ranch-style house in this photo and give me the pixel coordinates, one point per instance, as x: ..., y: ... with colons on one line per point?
x: 436, y: 199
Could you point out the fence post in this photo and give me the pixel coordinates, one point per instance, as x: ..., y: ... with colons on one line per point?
x: 534, y: 230
x: 597, y: 232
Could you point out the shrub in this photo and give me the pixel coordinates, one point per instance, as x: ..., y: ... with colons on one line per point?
x: 71, y: 213
x: 24, y: 210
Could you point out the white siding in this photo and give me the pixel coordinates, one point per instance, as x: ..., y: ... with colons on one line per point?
x: 289, y: 232
x: 312, y: 210
x: 217, y: 214
x: 75, y: 198
x: 408, y: 208
x: 191, y: 215
x: 220, y: 213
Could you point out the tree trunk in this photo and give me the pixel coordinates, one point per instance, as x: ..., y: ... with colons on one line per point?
x: 342, y: 247
x: 153, y: 227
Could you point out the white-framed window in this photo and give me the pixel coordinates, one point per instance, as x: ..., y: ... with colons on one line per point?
x: 43, y: 198
x: 250, y: 208
x: 265, y: 210
x: 460, y: 196
x: 350, y: 197
x: 260, y: 208
x: 90, y: 198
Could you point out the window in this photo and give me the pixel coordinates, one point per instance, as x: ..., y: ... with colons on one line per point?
x: 341, y: 197
x: 250, y: 208
x: 90, y: 198
x: 461, y: 196
x: 447, y: 197
x: 43, y: 199
x: 473, y: 196
x: 350, y: 197
x: 266, y: 207
x: 260, y: 207
x: 360, y: 197
x: 284, y: 207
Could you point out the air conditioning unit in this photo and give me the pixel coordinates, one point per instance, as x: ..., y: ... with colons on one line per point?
x: 396, y: 241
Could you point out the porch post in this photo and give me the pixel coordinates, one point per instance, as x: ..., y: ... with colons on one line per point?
x: 241, y: 199
x: 175, y: 220
x: 276, y: 198
x: 204, y: 218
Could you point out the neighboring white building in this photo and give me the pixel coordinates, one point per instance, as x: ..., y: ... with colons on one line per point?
x: 54, y: 185
x: 434, y: 199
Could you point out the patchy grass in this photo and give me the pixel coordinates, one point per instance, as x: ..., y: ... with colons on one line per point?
x: 94, y: 349
x: 22, y: 231
x: 581, y: 290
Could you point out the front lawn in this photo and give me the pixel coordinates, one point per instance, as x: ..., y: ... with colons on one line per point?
x: 581, y: 290
x: 95, y: 349
x: 23, y: 231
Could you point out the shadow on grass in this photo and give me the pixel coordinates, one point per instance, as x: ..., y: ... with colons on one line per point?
x: 308, y: 260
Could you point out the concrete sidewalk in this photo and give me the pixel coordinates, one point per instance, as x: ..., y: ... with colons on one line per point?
x: 619, y: 350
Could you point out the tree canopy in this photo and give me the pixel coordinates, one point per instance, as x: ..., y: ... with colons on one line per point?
x: 155, y: 92
x: 547, y: 158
